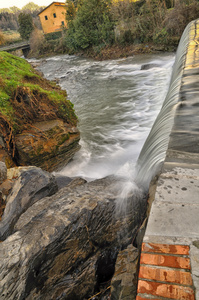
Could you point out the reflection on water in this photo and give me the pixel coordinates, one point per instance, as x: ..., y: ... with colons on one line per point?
x: 116, y: 102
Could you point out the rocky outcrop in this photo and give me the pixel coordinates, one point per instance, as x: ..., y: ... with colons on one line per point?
x: 65, y: 245
x: 31, y: 186
x: 38, y: 125
x: 48, y: 144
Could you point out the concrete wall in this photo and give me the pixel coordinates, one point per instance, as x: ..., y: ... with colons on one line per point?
x: 174, y: 215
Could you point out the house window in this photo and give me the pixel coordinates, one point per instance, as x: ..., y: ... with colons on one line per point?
x: 46, y: 17
x: 54, y: 15
x: 62, y: 22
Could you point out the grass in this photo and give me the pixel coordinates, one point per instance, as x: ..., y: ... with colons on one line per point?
x: 11, y: 36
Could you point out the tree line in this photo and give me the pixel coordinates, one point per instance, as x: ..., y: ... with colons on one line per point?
x: 9, y: 16
x: 97, y: 23
x: 93, y: 25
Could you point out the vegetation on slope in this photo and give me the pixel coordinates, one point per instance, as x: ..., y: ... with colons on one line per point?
x: 113, y: 28
x: 108, y: 28
x: 160, y: 22
x: 26, y: 98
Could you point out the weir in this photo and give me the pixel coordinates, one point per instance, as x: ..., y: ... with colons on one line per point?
x: 155, y: 147
x: 169, y: 264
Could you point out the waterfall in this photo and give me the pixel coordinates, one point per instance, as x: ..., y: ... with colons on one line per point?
x: 154, y: 150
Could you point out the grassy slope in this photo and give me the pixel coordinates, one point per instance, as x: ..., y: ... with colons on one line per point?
x: 26, y: 97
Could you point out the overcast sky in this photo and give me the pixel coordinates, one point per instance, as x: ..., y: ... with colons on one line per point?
x: 21, y: 3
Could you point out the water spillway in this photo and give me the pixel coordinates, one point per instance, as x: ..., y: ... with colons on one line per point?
x: 172, y: 233
x: 155, y: 147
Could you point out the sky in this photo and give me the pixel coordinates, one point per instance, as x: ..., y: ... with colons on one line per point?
x: 21, y: 3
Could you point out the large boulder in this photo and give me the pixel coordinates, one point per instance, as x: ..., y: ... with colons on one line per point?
x: 31, y: 186
x: 65, y: 245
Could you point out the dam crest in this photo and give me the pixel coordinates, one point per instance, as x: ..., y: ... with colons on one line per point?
x: 169, y: 261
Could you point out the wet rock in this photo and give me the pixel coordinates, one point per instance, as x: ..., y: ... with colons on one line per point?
x: 149, y: 66
x: 3, y: 171
x: 62, y: 181
x: 62, y: 240
x: 31, y: 186
x: 49, y: 145
x: 124, y: 281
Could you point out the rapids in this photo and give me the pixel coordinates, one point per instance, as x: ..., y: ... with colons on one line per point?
x: 116, y: 102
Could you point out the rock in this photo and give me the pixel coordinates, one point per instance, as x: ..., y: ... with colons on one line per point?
x: 6, y: 187
x: 4, y: 155
x: 31, y: 186
x: 124, y: 281
x: 38, y: 125
x: 64, y: 244
x: 3, y: 171
x: 140, y: 234
x: 14, y: 173
x: 49, y: 145
x: 149, y: 66
x: 2, y: 204
x: 62, y: 181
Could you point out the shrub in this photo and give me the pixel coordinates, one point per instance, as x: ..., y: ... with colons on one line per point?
x: 182, y: 13
x: 36, y: 41
x: 53, y: 35
x: 25, y: 25
x: 2, y: 38
x: 91, y: 26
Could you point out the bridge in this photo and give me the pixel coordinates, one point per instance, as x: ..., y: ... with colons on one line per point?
x: 24, y: 46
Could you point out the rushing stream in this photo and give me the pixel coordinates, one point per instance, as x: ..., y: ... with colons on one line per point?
x: 116, y: 102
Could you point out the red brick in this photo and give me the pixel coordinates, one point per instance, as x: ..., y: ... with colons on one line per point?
x: 165, y: 261
x: 165, y: 290
x: 165, y: 248
x: 165, y: 275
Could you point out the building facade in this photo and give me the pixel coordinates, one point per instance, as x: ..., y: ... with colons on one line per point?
x: 52, y: 17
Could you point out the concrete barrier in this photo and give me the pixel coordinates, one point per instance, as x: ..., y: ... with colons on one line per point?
x: 169, y: 264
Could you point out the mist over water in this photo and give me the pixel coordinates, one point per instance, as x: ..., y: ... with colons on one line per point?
x: 116, y: 102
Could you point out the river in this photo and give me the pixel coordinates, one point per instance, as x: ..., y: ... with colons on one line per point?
x: 116, y: 102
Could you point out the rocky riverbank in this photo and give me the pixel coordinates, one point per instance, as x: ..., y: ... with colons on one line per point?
x: 38, y: 125
x: 61, y: 238
x: 62, y: 242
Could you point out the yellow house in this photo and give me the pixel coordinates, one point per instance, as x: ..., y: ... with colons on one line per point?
x: 53, y: 17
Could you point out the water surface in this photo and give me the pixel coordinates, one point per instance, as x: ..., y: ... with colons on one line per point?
x: 116, y: 102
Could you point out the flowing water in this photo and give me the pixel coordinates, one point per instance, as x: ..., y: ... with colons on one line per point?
x: 116, y: 102
x: 156, y: 144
